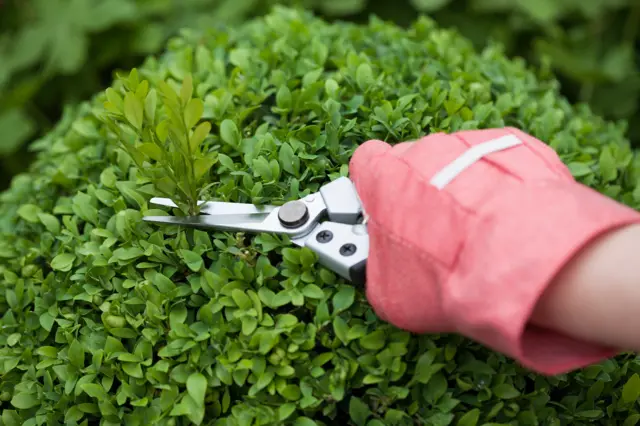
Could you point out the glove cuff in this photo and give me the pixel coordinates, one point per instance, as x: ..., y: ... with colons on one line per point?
x: 519, y: 242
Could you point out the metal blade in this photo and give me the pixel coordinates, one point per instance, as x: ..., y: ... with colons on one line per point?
x: 235, y: 223
x: 166, y: 202
x: 220, y: 208
x: 188, y: 221
x: 225, y: 219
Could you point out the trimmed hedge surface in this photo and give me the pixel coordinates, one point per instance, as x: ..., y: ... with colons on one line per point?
x: 109, y: 320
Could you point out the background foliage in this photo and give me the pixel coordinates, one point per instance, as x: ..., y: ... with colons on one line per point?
x: 57, y: 52
x: 109, y: 320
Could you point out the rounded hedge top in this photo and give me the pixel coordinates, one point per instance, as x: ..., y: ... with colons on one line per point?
x: 109, y: 320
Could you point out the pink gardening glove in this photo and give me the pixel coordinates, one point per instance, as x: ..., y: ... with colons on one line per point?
x: 469, y: 246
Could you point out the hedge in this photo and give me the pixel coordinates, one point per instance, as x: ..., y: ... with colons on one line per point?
x: 110, y: 320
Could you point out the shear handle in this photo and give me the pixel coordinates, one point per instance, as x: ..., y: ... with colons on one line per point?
x: 341, y: 247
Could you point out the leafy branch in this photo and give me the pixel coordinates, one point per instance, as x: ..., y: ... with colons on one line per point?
x: 162, y: 132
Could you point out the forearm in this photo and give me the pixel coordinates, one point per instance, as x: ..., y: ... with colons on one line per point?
x: 596, y: 297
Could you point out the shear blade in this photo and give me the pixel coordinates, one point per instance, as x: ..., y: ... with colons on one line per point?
x: 238, y: 217
x: 220, y: 208
x: 225, y: 221
x: 191, y: 221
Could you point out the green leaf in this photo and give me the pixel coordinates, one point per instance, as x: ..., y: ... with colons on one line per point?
x: 579, y: 169
x: 265, y: 379
x: 308, y: 257
x: 505, y: 391
x: 341, y: 328
x: 199, y: 135
x: 133, y: 110
x: 632, y: 420
x: 304, y: 421
x: 268, y: 242
x: 202, y: 166
x: 283, y: 98
x: 364, y: 76
x: 589, y: 414
x: 133, y: 369
x: 94, y: 390
x: 344, y: 298
x: 76, y: 354
x: 241, y: 299
x: 608, y: 166
x: 186, y: 89
x: 25, y: 401
x: 226, y: 161
x: 152, y: 151
x: 13, y: 339
x: 128, y: 253
x: 48, y: 351
x: 114, y: 98
x: 197, y: 387
x: 47, y: 321
x: 332, y: 87
x: 229, y: 133
x: 631, y: 389
x: 150, y: 105
x: 63, y: 262
x: 188, y: 407
x: 374, y: 340
x: 291, y: 255
x: 50, y: 222
x: 286, y: 410
x: 193, y: 112
x: 177, y: 315
x: 426, y: 368
x: 470, y: 418
x: 289, y: 162
x: 162, y: 130
x: 290, y: 392
x: 29, y: 212
x: 261, y: 166
x: 192, y: 259
x: 163, y: 283
x: 359, y: 411
x: 312, y: 291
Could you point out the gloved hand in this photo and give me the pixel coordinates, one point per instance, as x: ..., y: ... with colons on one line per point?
x: 467, y: 230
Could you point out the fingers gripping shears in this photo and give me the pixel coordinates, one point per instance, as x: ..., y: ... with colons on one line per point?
x: 341, y: 242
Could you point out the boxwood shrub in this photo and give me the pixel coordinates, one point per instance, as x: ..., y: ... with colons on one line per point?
x: 106, y: 319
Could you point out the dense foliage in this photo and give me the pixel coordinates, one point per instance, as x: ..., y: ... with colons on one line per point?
x: 109, y: 320
x: 55, y: 52
x: 591, y: 45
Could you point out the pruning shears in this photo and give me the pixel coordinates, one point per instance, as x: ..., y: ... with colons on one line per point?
x: 341, y: 242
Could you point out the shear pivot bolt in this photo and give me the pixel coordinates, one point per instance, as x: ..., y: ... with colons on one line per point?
x: 293, y: 214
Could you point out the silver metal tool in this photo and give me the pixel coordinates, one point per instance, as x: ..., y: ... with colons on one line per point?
x: 341, y: 242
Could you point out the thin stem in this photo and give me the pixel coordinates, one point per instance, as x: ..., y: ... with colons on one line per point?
x: 189, y: 163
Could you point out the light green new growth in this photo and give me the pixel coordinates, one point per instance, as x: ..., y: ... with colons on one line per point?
x: 164, y: 140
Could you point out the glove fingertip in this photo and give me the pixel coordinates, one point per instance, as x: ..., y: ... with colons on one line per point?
x: 363, y: 156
